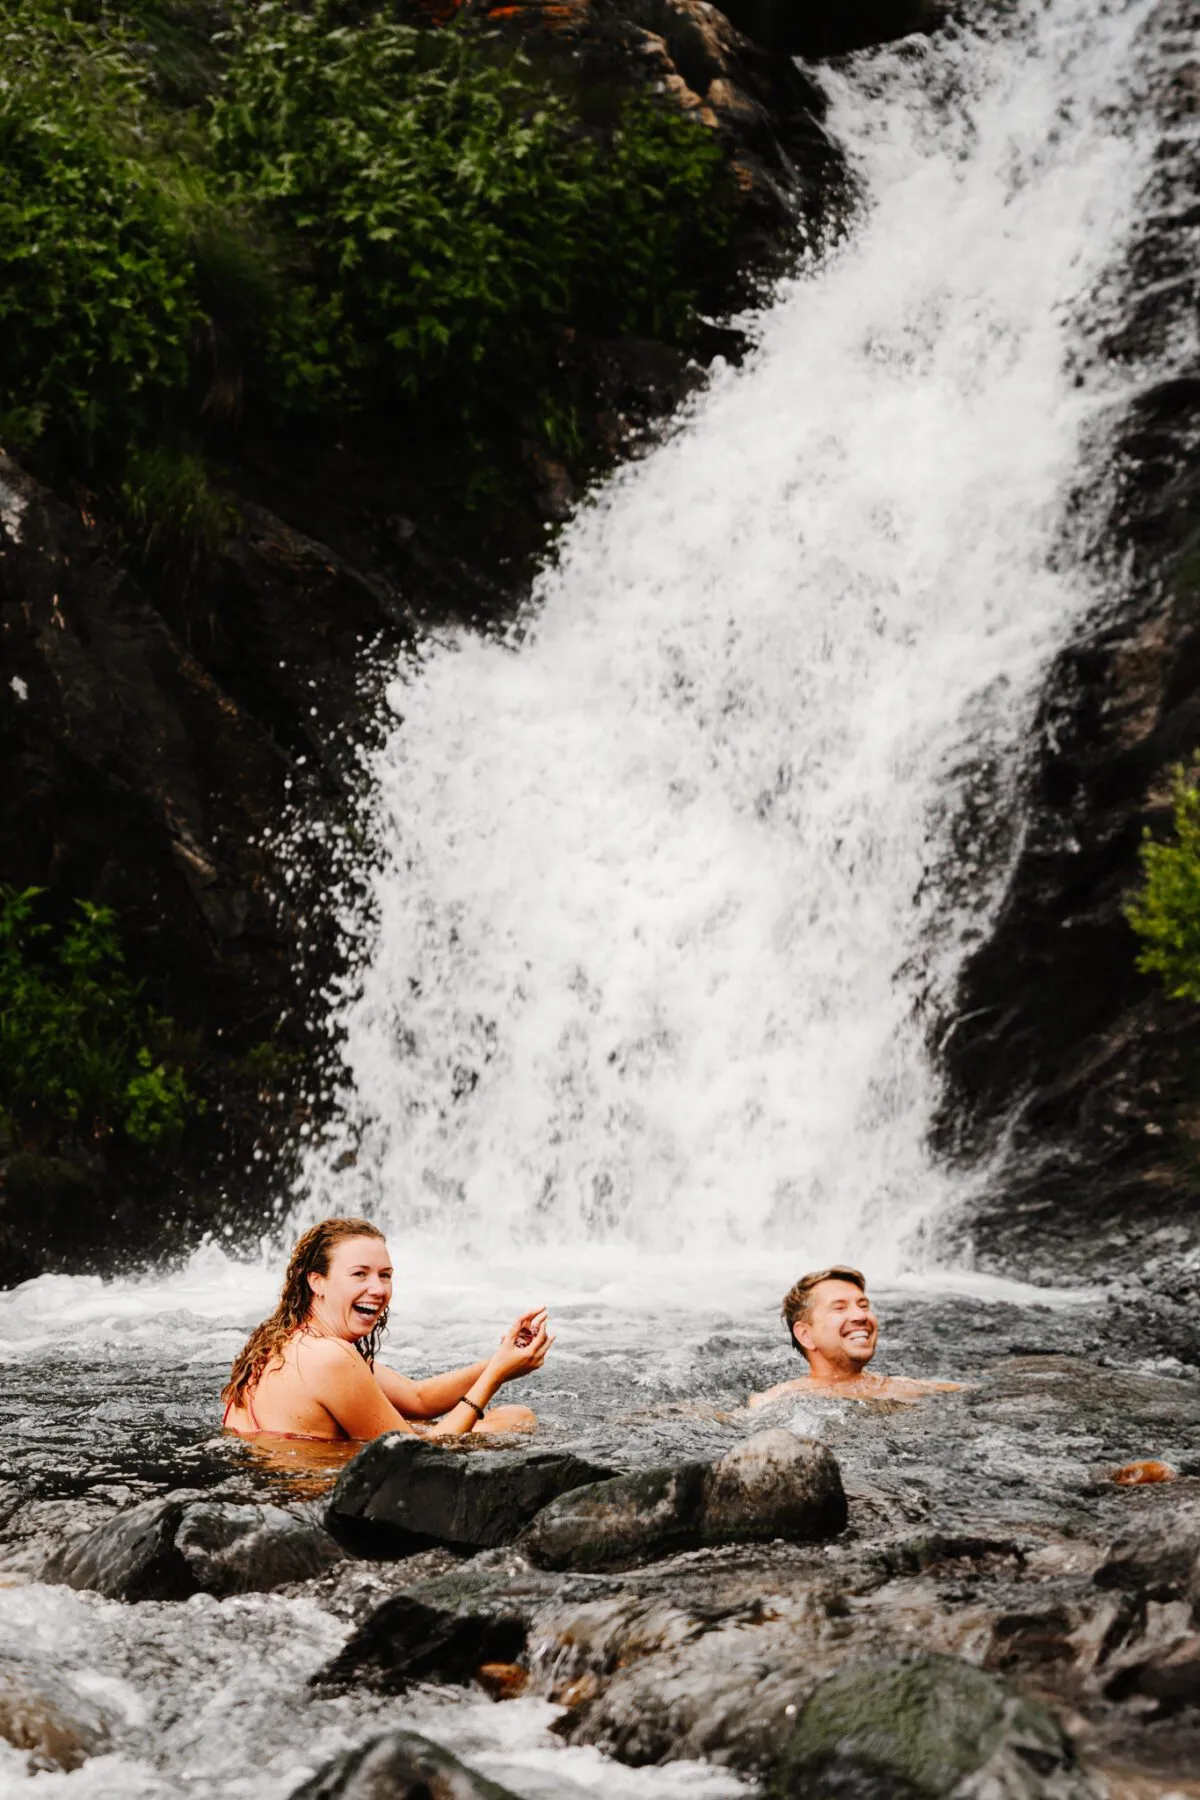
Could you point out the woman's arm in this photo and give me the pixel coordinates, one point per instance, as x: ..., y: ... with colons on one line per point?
x: 434, y: 1395
x: 430, y: 1397
x: 337, y: 1376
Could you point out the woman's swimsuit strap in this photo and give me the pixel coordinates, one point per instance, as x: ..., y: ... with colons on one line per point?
x: 249, y: 1404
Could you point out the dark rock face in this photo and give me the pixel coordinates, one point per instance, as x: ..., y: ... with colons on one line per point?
x: 405, y: 1640
x: 400, y: 1495
x: 926, y: 1730
x: 399, y: 1765
x: 182, y: 1544
x: 809, y: 29
x: 1059, y: 1042
x: 773, y: 1486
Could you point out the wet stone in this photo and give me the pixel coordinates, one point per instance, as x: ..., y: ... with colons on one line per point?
x: 1158, y: 1555
x: 933, y: 1728
x: 399, y: 1765
x: 183, y: 1544
x: 772, y: 1486
x: 400, y: 1495
x: 406, y: 1640
x: 43, y: 1715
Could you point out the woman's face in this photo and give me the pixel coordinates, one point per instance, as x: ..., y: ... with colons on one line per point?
x: 350, y: 1299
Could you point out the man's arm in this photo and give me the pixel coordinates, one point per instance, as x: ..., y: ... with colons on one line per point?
x: 431, y: 1397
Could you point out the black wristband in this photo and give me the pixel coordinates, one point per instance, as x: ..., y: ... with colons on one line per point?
x: 475, y: 1408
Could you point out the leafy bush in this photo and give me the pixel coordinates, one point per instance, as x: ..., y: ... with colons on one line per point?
x: 450, y: 208
x: 321, y: 210
x: 97, y: 289
x: 175, y: 518
x: 1166, y: 913
x: 75, y: 1035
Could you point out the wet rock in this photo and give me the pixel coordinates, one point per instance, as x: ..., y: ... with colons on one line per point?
x: 811, y: 29
x: 773, y: 1486
x: 399, y: 1765
x: 42, y: 1715
x: 400, y: 1495
x: 406, y: 1640
x: 613, y: 1524
x: 171, y: 1548
x: 1158, y: 1556
x: 502, y: 1680
x: 933, y: 1728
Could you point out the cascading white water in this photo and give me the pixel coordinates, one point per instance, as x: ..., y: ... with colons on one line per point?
x: 661, y: 910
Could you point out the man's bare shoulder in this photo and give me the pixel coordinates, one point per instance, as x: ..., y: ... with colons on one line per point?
x: 803, y: 1384
x: 863, y: 1387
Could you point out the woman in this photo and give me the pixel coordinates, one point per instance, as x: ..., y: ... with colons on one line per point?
x: 309, y: 1370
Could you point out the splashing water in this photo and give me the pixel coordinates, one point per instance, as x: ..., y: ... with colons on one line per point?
x: 660, y: 914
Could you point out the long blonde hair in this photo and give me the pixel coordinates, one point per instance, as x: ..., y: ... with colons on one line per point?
x: 267, y: 1341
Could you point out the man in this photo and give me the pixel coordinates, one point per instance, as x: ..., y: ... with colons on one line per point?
x: 831, y: 1322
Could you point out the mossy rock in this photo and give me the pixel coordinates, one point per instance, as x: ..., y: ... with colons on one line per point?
x: 931, y: 1728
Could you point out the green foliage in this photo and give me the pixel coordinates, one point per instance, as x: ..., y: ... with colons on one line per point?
x: 1165, y: 914
x: 97, y: 290
x: 76, y: 1039
x: 174, y: 518
x: 320, y: 210
x: 446, y: 210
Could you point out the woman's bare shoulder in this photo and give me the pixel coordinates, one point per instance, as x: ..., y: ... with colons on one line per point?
x: 326, y: 1353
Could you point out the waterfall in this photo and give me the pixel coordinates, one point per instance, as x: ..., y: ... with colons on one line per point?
x: 671, y: 881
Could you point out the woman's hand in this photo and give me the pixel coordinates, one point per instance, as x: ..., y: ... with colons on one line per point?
x: 523, y: 1347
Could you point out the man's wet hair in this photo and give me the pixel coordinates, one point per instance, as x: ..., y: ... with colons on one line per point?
x: 797, y: 1302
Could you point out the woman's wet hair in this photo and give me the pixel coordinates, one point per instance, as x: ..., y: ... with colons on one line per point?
x: 311, y: 1256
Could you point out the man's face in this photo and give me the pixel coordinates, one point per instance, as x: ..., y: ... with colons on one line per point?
x: 841, y: 1324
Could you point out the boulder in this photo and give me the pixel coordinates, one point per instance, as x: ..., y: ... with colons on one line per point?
x: 398, y: 1765
x: 405, y: 1640
x: 613, y: 1524
x: 933, y: 1728
x: 42, y: 1715
x: 400, y: 1494
x: 184, y: 1544
x: 774, y: 1485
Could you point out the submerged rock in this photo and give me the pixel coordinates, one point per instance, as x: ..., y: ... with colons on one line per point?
x: 183, y: 1544
x: 405, y: 1640
x: 42, y: 1715
x: 772, y: 1486
x: 934, y: 1728
x: 399, y: 1765
x: 400, y: 1494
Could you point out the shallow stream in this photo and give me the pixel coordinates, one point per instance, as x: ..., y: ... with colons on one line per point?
x: 110, y: 1396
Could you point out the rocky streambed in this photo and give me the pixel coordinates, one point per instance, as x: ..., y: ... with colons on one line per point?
x: 952, y: 1597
